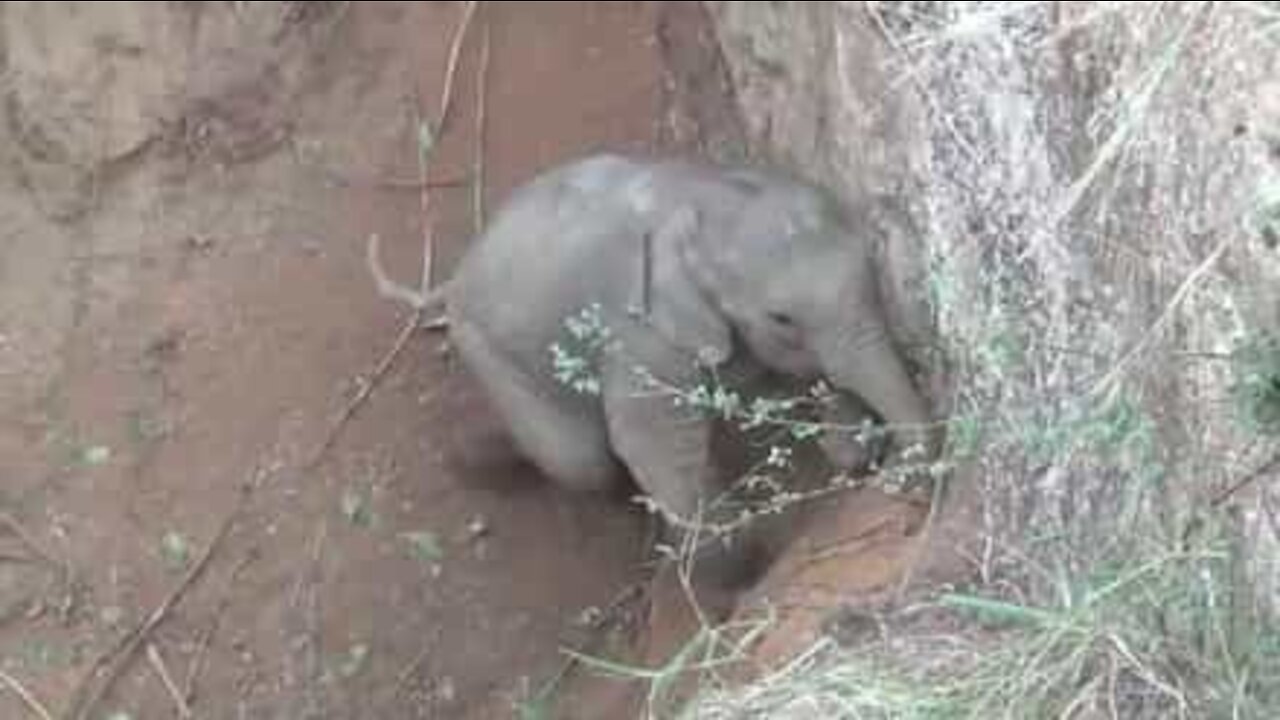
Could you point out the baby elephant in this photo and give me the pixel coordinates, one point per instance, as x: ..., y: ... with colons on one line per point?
x: 608, y: 288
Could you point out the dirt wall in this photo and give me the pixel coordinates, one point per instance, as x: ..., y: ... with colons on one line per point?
x: 1090, y: 185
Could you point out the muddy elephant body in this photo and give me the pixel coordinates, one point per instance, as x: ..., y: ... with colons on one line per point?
x: 674, y: 272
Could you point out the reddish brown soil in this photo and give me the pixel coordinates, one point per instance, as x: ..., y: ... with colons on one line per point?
x: 184, y: 310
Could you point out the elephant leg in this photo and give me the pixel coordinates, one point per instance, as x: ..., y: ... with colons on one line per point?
x: 571, y: 448
x: 669, y: 452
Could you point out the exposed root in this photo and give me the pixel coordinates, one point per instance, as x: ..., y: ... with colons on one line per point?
x: 423, y: 298
x: 206, y: 637
x: 25, y: 696
x: 482, y: 112
x: 451, y: 70
x: 64, y: 568
x: 117, y: 659
x: 27, y: 539
x: 166, y: 679
x: 366, y: 389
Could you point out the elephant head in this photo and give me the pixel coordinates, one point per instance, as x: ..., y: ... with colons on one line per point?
x: 788, y: 274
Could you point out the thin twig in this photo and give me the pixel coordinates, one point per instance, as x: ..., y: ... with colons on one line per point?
x: 610, y: 614
x: 118, y: 657
x: 684, y: 571
x: 157, y: 664
x: 482, y: 103
x: 304, y: 605
x: 1148, y: 337
x: 428, y: 252
x: 424, y: 153
x: 386, y: 183
x: 206, y: 638
x: 428, y: 230
x: 344, y: 180
x: 1226, y: 494
x: 613, y: 611
x: 366, y: 389
x: 1196, y: 522
x: 28, y: 539
x: 455, y: 51
x: 402, y: 680
x: 64, y: 567
x: 315, y: 555
x: 25, y: 696
x: 394, y: 183
x: 1269, y: 510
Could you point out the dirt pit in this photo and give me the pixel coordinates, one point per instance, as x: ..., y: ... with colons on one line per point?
x: 185, y: 311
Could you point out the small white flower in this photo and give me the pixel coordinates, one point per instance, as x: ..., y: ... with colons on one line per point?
x: 779, y: 456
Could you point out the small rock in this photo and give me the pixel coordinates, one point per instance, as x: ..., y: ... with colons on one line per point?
x: 355, y: 508
x: 96, y: 455
x: 355, y: 661
x: 165, y: 345
x: 446, y: 691
x: 174, y: 550
x: 111, y: 615
x: 201, y: 243
x: 478, y: 527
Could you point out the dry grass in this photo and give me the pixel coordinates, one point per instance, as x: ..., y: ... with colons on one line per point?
x: 1160, y: 637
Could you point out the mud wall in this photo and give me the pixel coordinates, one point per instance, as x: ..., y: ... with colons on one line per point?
x: 1090, y: 187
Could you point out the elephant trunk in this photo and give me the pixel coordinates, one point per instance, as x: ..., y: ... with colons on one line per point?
x: 863, y: 360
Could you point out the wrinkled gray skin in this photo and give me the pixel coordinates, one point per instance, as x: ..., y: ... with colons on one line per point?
x: 760, y: 276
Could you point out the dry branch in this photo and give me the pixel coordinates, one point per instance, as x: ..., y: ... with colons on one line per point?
x: 206, y: 638
x: 25, y: 696
x: 166, y: 679
x: 117, y: 659
x: 482, y: 113
x: 28, y: 539
x: 455, y: 51
x: 1184, y: 290
x: 418, y: 300
x: 366, y: 389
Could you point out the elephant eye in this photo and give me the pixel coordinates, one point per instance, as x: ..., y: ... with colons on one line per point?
x: 782, y: 319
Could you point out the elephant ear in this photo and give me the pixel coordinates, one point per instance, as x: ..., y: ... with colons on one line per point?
x: 672, y: 293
